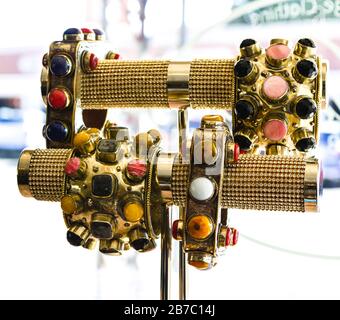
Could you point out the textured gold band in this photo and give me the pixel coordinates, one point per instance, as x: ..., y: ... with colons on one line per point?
x: 212, y: 83
x: 256, y: 182
x: 144, y: 84
x: 179, y: 182
x: 125, y: 84
x: 265, y: 183
x: 45, y: 171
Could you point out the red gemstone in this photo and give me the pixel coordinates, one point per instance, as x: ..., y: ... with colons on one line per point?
x: 236, y: 151
x: 93, y: 61
x: 235, y: 236
x: 174, y: 229
x: 86, y: 30
x: 228, y: 237
x: 243, y: 151
x: 116, y: 56
x: 57, y: 99
x: 137, y: 169
x: 72, y: 166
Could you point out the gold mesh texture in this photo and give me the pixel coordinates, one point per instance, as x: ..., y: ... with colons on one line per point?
x: 179, y: 182
x: 46, y: 173
x: 212, y: 84
x: 265, y: 183
x: 254, y: 182
x: 123, y: 84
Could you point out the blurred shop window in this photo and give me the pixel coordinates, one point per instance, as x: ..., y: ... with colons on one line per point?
x: 12, y: 136
x: 38, y: 22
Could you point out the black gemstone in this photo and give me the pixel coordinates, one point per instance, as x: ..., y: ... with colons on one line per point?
x: 305, y: 144
x: 243, y: 142
x: 242, y: 68
x: 307, y: 42
x: 305, y: 108
x: 139, y: 244
x: 101, y: 230
x: 73, y: 239
x: 307, y: 68
x: 110, y: 251
x: 244, y: 109
x: 102, y: 185
x: 247, y: 42
x: 107, y: 145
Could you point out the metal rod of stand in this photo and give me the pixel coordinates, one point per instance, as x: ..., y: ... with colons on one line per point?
x: 166, y: 256
x: 178, y: 98
x: 183, y: 134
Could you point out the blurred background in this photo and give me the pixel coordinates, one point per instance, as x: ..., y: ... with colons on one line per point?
x: 279, y: 255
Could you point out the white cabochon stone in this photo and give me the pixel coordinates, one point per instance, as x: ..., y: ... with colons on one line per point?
x: 202, y: 188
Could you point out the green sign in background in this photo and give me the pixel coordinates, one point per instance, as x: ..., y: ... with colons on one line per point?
x: 293, y: 10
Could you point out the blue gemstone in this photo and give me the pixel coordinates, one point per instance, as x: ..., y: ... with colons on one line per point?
x: 72, y: 31
x: 60, y: 65
x: 56, y: 131
x: 98, y: 32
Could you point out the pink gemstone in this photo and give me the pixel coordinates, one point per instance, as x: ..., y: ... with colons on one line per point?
x: 72, y: 166
x: 275, y: 129
x: 136, y: 168
x: 275, y: 87
x: 278, y: 51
